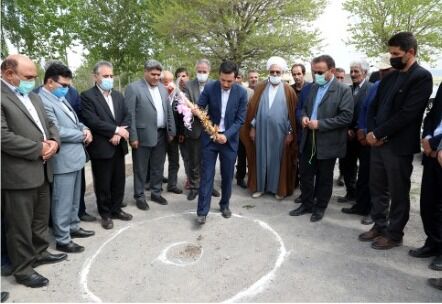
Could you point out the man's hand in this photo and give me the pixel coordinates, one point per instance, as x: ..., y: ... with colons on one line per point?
x: 135, y: 144
x: 170, y: 87
x: 426, y: 146
x: 221, y: 139
x: 195, y: 111
x: 313, y: 124
x: 49, y: 149
x: 252, y: 134
x: 123, y: 132
x: 288, y: 139
x: 360, y: 136
x: 305, y: 121
x: 180, y: 139
x: 115, y: 140
x: 371, y: 139
x: 87, y: 136
x: 439, y: 157
x: 351, y: 134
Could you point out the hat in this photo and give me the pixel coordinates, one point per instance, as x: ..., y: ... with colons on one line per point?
x: 383, y: 62
x: 278, y: 61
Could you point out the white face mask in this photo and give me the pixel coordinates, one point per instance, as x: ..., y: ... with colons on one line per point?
x: 275, y: 79
x: 202, y: 77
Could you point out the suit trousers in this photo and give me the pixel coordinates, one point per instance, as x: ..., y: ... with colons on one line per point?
x: 431, y: 202
x: 390, y: 179
x: 185, y: 157
x: 241, y: 164
x: 82, y: 208
x: 193, y: 147
x: 173, y: 157
x: 316, y: 178
x: 350, y: 166
x: 227, y: 163
x: 26, y: 219
x: 363, y: 198
x: 66, y: 193
x: 109, y: 182
x: 155, y: 156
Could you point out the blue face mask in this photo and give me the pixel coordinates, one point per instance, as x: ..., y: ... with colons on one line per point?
x: 107, y: 84
x: 60, y: 92
x: 320, y: 79
x: 26, y: 86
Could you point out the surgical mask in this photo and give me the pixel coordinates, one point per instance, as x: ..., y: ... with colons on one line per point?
x: 397, y: 63
x: 26, y: 86
x: 107, y: 84
x: 275, y: 79
x: 60, y: 92
x: 320, y: 79
x: 202, y: 77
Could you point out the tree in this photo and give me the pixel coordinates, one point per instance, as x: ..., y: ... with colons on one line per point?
x: 375, y: 21
x: 245, y: 31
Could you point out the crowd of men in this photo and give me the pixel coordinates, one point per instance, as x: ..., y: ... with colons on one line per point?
x: 279, y: 136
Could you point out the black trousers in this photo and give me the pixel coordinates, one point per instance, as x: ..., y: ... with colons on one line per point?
x: 390, y: 179
x: 316, y: 178
x: 173, y: 157
x: 82, y: 208
x: 194, y: 161
x: 431, y: 202
x: 109, y: 181
x: 363, y: 197
x: 350, y: 166
x: 241, y: 163
x: 26, y: 219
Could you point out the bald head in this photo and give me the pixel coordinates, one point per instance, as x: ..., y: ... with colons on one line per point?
x: 166, y: 77
x: 18, y: 67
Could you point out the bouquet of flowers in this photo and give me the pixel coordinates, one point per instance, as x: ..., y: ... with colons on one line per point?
x: 188, y: 110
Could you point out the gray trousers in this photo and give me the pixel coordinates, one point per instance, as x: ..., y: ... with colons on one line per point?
x: 141, y: 158
x: 66, y: 192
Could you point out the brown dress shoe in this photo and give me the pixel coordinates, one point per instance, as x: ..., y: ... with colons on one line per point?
x: 383, y: 243
x: 370, y: 235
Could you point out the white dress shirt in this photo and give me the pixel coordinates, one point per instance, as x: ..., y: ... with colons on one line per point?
x: 158, y: 103
x: 224, y: 99
x: 109, y: 100
x: 26, y: 101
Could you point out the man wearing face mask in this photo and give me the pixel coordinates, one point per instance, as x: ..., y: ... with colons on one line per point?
x: 29, y: 139
x: 70, y: 160
x: 393, y: 124
x: 269, y: 135
x: 193, y: 91
x: 326, y: 115
x: 105, y: 113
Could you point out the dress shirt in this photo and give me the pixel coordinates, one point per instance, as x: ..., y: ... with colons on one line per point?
x: 26, y: 101
x: 319, y: 95
x: 158, y: 103
x: 224, y: 98
x: 109, y: 100
x: 355, y: 89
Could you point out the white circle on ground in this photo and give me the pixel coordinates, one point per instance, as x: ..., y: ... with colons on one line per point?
x: 111, y: 251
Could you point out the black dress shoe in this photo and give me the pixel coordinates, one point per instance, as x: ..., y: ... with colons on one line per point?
x: 7, y: 270
x: 298, y: 200
x: 49, y: 258
x: 175, y: 190
x: 165, y: 179
x: 352, y: 210
x: 300, y: 210
x: 87, y: 218
x: 215, y: 193
x: 33, y: 280
x: 123, y: 204
x: 346, y: 199
x: 70, y: 247
x: 121, y: 215
x: 317, y: 215
x: 191, y: 195
x: 201, y: 219
x: 226, y: 213
x: 142, y: 204
x: 436, y: 283
x: 240, y: 182
x: 107, y: 223
x: 82, y: 233
x: 436, y: 264
x: 423, y: 252
x: 5, y: 296
x: 158, y: 199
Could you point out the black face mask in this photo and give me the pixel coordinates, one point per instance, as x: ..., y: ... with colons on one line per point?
x: 397, y: 63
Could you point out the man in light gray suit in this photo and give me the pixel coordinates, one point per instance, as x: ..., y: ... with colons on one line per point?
x: 152, y: 126
x: 70, y: 160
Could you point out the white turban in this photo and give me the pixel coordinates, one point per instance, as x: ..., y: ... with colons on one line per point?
x: 278, y: 61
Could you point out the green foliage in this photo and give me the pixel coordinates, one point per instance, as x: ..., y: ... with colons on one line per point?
x: 375, y: 21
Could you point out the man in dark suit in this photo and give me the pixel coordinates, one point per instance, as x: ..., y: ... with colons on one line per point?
x: 152, y: 125
x: 325, y: 117
x: 28, y: 140
x: 105, y: 113
x: 226, y: 103
x: 359, y: 88
x: 192, y: 142
x: 431, y: 190
x: 393, y: 125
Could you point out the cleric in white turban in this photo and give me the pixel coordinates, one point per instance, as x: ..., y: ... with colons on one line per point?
x: 269, y: 134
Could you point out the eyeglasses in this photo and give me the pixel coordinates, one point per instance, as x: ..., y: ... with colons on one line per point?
x: 64, y: 85
x: 320, y: 72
